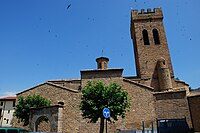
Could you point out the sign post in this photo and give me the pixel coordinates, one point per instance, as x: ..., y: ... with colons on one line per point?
x: 106, y: 114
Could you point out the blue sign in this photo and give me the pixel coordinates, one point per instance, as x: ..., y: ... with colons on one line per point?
x: 106, y: 112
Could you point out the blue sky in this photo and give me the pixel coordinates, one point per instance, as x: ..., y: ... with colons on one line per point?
x: 43, y: 40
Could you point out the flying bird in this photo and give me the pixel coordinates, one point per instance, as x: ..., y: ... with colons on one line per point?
x: 68, y: 6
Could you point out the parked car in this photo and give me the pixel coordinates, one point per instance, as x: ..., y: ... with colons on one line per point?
x: 12, y: 130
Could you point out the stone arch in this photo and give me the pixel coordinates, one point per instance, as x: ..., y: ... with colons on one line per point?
x: 61, y: 103
x: 145, y: 37
x: 52, y: 113
x: 156, y: 36
x: 43, y: 123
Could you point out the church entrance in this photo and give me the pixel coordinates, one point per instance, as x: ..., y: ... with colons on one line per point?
x: 46, y: 119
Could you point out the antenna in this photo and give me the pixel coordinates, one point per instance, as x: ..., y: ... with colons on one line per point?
x: 102, y: 52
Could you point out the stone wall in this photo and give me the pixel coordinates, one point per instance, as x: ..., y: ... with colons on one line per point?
x: 142, y: 108
x: 172, y: 105
x: 142, y: 105
x: 146, y: 105
x: 71, y: 111
x: 194, y: 103
x: 107, y: 76
x: 73, y: 84
x: 53, y: 115
x: 72, y: 119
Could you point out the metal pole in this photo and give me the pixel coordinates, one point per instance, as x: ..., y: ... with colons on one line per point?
x: 152, y: 127
x: 157, y: 124
x: 143, y: 127
x: 106, y: 127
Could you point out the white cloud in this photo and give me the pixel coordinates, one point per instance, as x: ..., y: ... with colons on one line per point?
x: 7, y: 93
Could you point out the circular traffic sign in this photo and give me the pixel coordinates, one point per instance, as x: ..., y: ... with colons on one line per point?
x: 106, y: 112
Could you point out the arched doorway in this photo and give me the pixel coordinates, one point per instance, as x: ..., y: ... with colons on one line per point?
x: 43, y: 124
x: 46, y: 119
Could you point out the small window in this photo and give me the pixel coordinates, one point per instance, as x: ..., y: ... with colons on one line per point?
x: 156, y: 36
x: 134, y: 39
x: 99, y: 66
x: 105, y: 65
x: 7, y: 121
x: 8, y: 111
x: 163, y: 62
x: 1, y: 103
x: 145, y: 37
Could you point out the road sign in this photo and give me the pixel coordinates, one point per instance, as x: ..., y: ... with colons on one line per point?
x: 106, y: 112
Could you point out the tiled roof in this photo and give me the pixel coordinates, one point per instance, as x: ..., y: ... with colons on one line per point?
x: 8, y: 98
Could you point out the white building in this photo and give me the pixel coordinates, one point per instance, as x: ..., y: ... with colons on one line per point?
x: 7, y: 107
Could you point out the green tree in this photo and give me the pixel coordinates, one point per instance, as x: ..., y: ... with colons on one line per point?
x: 24, y: 104
x: 96, y: 96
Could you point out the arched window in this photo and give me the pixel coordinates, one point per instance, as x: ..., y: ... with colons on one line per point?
x: 145, y: 37
x: 105, y: 65
x: 61, y: 103
x: 99, y: 65
x: 156, y: 36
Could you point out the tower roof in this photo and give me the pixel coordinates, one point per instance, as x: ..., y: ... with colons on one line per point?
x: 102, y: 62
x: 102, y: 58
x: 8, y: 98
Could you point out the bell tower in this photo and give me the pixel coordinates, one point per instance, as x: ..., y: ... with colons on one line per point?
x: 102, y: 63
x: 150, y: 43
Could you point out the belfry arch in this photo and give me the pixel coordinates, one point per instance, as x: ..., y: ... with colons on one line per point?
x: 52, y: 114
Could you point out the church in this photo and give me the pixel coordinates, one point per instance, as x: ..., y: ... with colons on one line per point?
x: 154, y: 91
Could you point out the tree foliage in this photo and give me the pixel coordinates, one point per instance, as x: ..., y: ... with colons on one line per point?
x: 96, y: 96
x: 24, y: 104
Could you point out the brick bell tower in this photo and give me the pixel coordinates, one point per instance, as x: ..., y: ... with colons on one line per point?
x: 150, y: 45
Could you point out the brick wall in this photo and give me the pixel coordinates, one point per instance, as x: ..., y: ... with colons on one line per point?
x: 71, y: 111
x: 194, y: 103
x: 73, y: 84
x: 107, y: 76
x: 142, y: 105
x: 172, y: 105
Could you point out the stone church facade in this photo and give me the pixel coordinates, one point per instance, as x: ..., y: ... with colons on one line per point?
x: 154, y: 92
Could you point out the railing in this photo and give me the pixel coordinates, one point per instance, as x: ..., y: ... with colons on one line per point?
x: 138, y: 131
x: 144, y: 130
x: 172, y: 126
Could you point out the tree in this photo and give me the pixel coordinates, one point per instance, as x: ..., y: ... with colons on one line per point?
x: 96, y: 96
x: 24, y: 104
